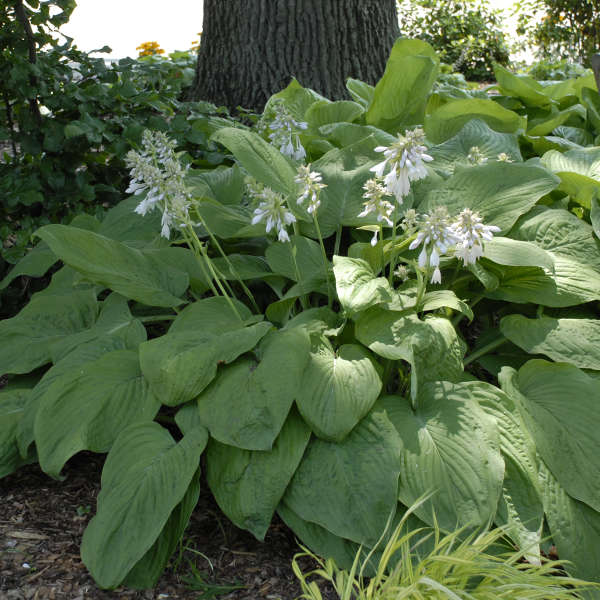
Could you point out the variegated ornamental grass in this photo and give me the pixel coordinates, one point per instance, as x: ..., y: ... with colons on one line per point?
x: 335, y: 334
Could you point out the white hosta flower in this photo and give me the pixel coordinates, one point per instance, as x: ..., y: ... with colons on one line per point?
x: 471, y: 232
x: 406, y: 160
x: 374, y: 193
x: 402, y: 272
x: 274, y: 213
x: 284, y: 133
x: 503, y: 157
x: 476, y: 156
x: 311, y: 187
x: 409, y: 222
x: 157, y: 171
x: 437, y: 236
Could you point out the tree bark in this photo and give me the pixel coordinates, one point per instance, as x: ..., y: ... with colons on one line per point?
x: 251, y: 49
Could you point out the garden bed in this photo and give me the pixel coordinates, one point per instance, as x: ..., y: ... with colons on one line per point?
x: 43, y: 521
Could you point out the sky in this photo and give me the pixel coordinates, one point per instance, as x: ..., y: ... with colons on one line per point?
x: 125, y: 24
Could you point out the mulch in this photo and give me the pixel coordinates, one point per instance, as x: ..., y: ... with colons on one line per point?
x: 42, y: 521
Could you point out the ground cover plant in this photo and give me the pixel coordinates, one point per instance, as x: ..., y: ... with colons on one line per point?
x: 371, y: 300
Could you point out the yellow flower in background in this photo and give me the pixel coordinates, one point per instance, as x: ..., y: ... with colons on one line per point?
x: 149, y: 49
x: 196, y: 43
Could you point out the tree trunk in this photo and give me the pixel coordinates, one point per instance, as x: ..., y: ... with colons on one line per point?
x: 251, y: 49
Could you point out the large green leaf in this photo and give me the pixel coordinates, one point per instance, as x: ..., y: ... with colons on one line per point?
x: 115, y: 265
x: 146, y: 475
x: 325, y: 112
x: 575, y: 529
x: 34, y: 264
x: 526, y: 88
x: 338, y: 389
x: 147, y: 571
x: 12, y: 404
x: 351, y: 487
x: 299, y: 260
x: 28, y: 338
x: 547, y: 124
x: 297, y: 99
x: 225, y: 185
x: 87, y: 407
x: 520, y: 508
x: 401, y: 94
x: 431, y: 346
x: 506, y: 251
x: 211, y: 315
x: 87, y: 352
x: 361, y: 92
x: 263, y: 161
x: 450, y: 118
x: 248, y: 484
x: 180, y: 365
x: 451, y: 448
x: 249, y: 401
x: 579, y: 172
x: 357, y: 287
x: 561, y: 408
x: 500, y: 192
x: 576, y: 256
x: 576, y: 341
x: 455, y: 151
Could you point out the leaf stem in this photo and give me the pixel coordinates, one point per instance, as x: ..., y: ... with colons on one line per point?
x: 325, y: 261
x: 484, y: 350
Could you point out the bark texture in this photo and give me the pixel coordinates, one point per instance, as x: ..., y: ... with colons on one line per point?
x: 252, y: 48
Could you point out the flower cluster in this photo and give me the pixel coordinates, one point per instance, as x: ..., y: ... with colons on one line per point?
x: 273, y: 211
x: 470, y: 230
x: 311, y: 187
x: 157, y: 171
x: 476, y: 156
x: 503, y: 157
x: 406, y: 160
x: 438, y: 234
x: 284, y: 133
x: 374, y: 193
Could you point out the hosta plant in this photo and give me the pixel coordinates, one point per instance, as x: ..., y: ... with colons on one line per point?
x: 378, y: 299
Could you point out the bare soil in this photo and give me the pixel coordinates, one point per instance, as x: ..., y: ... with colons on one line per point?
x: 42, y: 521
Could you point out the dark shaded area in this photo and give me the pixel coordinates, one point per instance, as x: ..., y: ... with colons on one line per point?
x: 252, y: 48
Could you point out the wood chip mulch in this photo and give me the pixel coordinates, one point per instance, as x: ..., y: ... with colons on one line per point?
x: 42, y: 521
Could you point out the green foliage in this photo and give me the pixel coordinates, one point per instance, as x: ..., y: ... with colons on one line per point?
x: 560, y: 29
x: 69, y: 118
x: 326, y: 364
x: 465, y: 33
x: 428, y: 563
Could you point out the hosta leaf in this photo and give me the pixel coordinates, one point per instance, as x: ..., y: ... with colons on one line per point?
x: 338, y: 389
x: 82, y: 354
x: 299, y: 260
x: 225, y: 185
x: 523, y: 87
x: 325, y: 112
x: 506, y: 251
x: 211, y: 315
x: 450, y: 118
x: 446, y: 298
x: 248, y: 484
x: 448, y: 155
x: 114, y: 265
x: 500, y: 192
x: 576, y: 341
x: 520, y: 508
x: 145, y: 477
x: 181, y: 364
x: 579, y: 171
x: 34, y: 264
x: 561, y: 407
x: 147, y: 571
x: 114, y: 320
x: 361, y: 92
x: 296, y: 99
x: 28, y: 338
x: 575, y: 528
x: 430, y: 346
x: 87, y: 407
x: 249, y: 401
x: 401, y: 94
x: 547, y: 124
x: 350, y: 498
x: 356, y: 284
x: 346, y: 134
x: 12, y: 404
x: 576, y: 255
x: 263, y: 161
x: 451, y: 447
